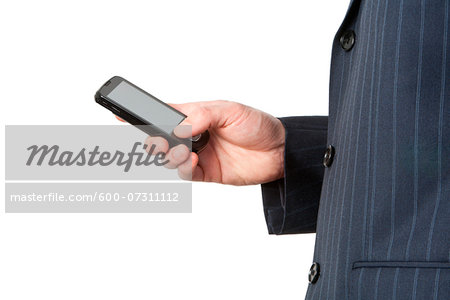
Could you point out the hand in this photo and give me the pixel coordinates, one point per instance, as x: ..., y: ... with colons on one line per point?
x: 246, y: 145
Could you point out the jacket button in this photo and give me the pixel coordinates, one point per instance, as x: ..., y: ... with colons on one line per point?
x: 347, y: 40
x: 314, y: 273
x: 328, y: 157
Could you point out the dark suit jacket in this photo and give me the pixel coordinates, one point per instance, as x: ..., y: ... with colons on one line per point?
x: 381, y: 210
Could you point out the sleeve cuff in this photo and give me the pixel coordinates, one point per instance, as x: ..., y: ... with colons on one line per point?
x: 291, y: 203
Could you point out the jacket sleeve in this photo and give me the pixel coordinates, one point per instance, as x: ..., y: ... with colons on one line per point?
x: 291, y: 203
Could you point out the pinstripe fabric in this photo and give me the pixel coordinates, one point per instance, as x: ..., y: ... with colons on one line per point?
x: 382, y: 215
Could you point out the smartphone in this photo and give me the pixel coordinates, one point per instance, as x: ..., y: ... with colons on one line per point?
x: 146, y: 112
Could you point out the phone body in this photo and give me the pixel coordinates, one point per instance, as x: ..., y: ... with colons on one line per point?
x: 146, y: 112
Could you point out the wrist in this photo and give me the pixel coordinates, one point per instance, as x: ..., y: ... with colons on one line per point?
x: 279, y: 156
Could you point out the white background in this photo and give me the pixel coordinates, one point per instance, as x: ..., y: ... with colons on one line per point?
x: 54, y: 55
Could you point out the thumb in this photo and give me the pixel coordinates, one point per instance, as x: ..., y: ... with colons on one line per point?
x: 202, y: 116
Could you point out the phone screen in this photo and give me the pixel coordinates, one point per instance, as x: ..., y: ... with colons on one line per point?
x: 146, y: 107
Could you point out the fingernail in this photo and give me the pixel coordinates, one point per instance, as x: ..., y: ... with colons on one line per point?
x: 182, y: 129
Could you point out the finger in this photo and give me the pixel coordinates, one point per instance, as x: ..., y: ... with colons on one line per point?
x: 156, y: 144
x: 198, y: 174
x: 185, y: 169
x: 204, y: 115
x: 120, y: 119
x: 177, y: 155
x: 196, y: 122
x: 191, y: 171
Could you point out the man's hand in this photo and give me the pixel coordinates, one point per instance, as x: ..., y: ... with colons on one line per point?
x: 246, y: 145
